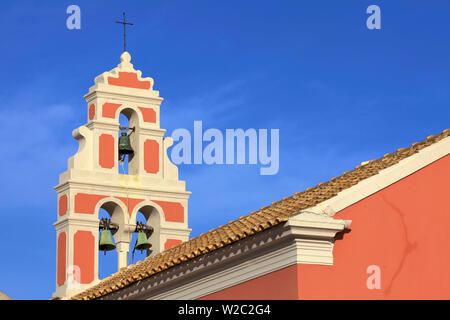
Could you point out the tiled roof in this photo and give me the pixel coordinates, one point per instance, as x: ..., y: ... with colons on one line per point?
x: 255, y: 222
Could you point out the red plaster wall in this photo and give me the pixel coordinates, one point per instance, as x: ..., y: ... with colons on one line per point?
x: 62, y: 205
x: 91, y: 111
x: 85, y: 203
x: 61, y: 261
x: 148, y: 114
x: 173, y: 211
x: 130, y: 80
x: 109, y: 110
x: 106, y: 151
x: 151, y: 156
x: 131, y: 203
x: 83, y: 256
x: 278, y: 285
x: 403, y: 229
x: 170, y: 243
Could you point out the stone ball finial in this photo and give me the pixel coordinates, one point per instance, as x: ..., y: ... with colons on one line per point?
x: 125, y: 57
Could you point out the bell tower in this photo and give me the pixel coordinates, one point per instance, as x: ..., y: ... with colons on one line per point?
x: 93, y: 182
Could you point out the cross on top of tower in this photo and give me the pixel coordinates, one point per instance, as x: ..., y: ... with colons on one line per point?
x: 125, y: 23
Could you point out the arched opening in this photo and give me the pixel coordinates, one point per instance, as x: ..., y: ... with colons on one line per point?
x: 149, y: 216
x: 137, y: 255
x: 128, y: 124
x: 107, y: 263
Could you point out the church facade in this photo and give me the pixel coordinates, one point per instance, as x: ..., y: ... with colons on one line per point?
x: 379, y: 231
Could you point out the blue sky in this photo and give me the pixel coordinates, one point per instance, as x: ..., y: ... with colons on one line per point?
x: 339, y: 93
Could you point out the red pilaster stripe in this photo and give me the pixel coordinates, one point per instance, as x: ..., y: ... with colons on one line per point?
x: 106, y: 148
x: 61, y: 276
x: 151, y: 156
x: 62, y: 205
x: 84, y: 254
x: 91, y: 111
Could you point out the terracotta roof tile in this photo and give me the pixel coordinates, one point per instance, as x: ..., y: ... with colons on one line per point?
x: 257, y: 221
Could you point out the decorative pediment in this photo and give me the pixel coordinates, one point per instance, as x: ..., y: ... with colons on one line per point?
x: 125, y: 79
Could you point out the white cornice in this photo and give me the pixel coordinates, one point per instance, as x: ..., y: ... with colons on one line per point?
x: 316, y: 225
x: 86, y: 221
x: 112, y: 125
x: 175, y: 230
x: 103, y: 188
x: 135, y: 97
x: 103, y: 125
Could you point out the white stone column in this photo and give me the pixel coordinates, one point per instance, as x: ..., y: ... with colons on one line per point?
x: 122, y: 254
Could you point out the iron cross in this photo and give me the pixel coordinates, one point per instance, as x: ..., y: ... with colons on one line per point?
x: 124, y: 22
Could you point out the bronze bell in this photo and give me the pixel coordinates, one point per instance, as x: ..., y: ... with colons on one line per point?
x: 106, y: 243
x: 142, y: 242
x: 124, y: 145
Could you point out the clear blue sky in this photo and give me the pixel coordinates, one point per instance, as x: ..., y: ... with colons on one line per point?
x: 339, y: 93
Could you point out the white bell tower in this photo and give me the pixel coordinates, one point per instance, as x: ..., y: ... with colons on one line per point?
x: 93, y: 181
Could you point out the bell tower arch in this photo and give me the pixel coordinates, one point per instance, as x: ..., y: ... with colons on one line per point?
x: 93, y: 181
